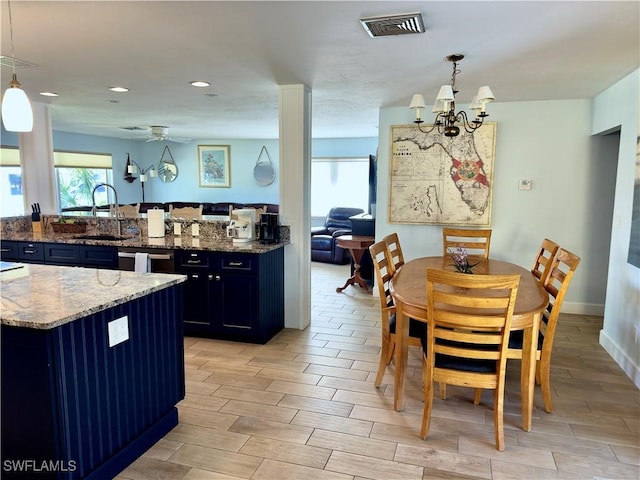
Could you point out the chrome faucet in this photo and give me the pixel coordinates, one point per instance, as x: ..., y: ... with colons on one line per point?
x: 117, y: 208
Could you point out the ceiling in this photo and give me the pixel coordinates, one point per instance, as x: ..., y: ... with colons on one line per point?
x: 524, y: 50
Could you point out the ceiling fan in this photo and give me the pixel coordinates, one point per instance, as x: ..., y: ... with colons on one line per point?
x: 161, y: 134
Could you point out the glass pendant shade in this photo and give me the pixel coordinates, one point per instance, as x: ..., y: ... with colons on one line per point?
x: 17, y: 115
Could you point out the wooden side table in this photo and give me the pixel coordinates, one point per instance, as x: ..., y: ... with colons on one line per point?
x: 356, y: 244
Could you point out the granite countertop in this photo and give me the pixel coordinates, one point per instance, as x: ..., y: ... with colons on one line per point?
x: 184, y: 242
x: 47, y: 296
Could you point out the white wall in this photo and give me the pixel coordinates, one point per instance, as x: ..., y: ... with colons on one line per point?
x: 619, y: 105
x: 548, y: 142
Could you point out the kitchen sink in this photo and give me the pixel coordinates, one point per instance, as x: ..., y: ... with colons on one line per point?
x: 108, y: 238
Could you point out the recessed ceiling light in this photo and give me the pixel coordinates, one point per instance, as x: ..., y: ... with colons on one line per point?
x: 199, y: 83
x: 119, y: 89
x: 49, y: 94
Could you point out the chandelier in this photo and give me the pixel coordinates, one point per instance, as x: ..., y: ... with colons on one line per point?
x: 448, y: 122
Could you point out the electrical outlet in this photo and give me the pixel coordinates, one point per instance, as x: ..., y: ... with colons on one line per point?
x: 118, y: 331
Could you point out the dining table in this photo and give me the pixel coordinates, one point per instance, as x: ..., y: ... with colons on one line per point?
x: 408, y: 288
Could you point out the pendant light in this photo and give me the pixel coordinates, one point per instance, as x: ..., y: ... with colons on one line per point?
x: 17, y: 115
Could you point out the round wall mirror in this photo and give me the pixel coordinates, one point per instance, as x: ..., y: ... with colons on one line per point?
x: 167, y: 172
x: 167, y: 168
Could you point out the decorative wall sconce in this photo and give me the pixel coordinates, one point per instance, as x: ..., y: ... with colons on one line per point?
x: 144, y: 173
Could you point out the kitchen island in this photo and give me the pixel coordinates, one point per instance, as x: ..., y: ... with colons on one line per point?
x: 92, y: 368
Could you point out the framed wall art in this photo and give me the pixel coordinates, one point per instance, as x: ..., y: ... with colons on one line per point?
x: 441, y: 180
x: 214, y: 168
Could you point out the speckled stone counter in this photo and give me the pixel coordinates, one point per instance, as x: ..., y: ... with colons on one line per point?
x: 47, y: 296
x: 185, y: 242
x: 135, y: 232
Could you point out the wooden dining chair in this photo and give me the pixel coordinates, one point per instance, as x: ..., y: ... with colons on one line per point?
x: 395, y: 250
x: 475, y: 242
x: 467, y: 337
x: 384, y: 273
x: 557, y: 281
x: 541, y: 265
x: 127, y: 211
x: 187, y: 213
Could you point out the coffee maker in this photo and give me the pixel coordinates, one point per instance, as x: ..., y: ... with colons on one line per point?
x: 269, y: 228
x: 241, y: 227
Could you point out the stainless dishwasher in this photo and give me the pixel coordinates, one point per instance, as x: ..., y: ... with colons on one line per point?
x: 161, y: 260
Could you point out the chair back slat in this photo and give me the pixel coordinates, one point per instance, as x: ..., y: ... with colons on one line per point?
x: 543, y: 260
x: 394, y: 249
x: 556, y: 284
x: 188, y: 213
x: 476, y: 242
x: 383, y: 270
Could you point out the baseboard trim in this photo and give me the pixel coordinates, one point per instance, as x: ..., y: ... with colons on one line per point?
x: 628, y: 365
x: 596, y: 309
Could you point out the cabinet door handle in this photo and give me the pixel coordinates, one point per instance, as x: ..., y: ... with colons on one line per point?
x: 29, y: 251
x: 5, y: 249
x: 195, y: 276
x: 210, y: 277
x: 235, y: 264
x: 217, y: 278
x: 193, y: 261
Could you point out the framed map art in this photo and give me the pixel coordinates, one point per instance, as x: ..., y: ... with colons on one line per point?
x: 214, y: 165
x: 441, y: 180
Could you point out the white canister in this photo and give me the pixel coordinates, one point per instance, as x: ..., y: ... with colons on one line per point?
x: 155, y: 221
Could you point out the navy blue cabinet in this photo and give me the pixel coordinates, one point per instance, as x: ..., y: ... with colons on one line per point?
x: 96, y: 256
x: 87, y: 408
x: 30, y: 252
x: 8, y: 250
x: 234, y: 296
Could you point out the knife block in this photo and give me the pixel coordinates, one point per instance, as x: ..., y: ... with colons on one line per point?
x: 37, y: 226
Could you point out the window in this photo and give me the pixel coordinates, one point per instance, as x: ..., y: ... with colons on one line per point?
x: 75, y: 174
x: 339, y: 182
x: 11, y: 197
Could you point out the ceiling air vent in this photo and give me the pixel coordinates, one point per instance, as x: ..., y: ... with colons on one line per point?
x: 401, y: 24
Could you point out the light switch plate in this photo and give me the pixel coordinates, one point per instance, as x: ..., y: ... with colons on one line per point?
x: 525, y: 184
x: 118, y: 331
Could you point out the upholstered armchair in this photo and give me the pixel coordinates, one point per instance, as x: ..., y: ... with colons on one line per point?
x: 324, y: 247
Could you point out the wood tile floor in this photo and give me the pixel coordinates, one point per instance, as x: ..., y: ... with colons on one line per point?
x: 304, y: 407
